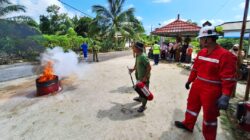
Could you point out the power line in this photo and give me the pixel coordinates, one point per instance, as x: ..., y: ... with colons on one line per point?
x: 75, y: 8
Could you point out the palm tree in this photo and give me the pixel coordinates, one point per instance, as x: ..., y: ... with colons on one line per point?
x: 6, y: 7
x: 115, y: 23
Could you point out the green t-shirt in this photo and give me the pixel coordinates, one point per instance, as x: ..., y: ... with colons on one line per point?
x: 141, y: 67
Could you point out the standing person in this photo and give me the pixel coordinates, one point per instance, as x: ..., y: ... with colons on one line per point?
x: 189, y: 54
x: 214, y: 78
x: 84, y: 47
x: 167, y: 51
x: 163, y: 50
x: 234, y: 50
x: 184, y: 49
x: 171, y: 52
x: 156, y: 52
x: 177, y: 48
x: 95, y: 50
x: 142, y: 70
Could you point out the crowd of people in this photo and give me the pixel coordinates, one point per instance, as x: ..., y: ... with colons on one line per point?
x: 172, y: 51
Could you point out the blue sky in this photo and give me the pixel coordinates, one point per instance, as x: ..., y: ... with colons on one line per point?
x: 154, y: 12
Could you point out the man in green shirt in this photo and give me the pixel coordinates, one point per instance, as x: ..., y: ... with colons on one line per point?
x: 142, y: 70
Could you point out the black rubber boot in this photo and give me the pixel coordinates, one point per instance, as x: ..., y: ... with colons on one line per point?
x: 179, y: 124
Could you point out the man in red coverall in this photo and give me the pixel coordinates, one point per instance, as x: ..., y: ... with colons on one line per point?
x: 213, y: 79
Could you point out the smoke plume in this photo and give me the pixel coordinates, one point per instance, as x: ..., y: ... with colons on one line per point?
x: 64, y: 63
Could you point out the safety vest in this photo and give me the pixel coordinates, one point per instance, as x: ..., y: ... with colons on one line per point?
x: 156, y: 49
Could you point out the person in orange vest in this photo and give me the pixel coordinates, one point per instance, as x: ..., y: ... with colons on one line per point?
x: 213, y: 79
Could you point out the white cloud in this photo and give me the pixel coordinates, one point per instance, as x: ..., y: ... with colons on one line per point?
x: 240, y: 17
x: 139, y: 18
x: 213, y: 21
x: 35, y: 8
x: 161, y: 1
x: 167, y: 21
x: 242, y: 5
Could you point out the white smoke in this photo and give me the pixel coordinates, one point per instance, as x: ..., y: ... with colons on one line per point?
x: 64, y: 63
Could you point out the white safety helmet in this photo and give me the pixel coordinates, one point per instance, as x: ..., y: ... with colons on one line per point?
x: 208, y: 31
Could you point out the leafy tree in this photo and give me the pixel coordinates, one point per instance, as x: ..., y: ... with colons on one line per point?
x: 44, y: 24
x: 55, y: 23
x: 6, y: 7
x: 83, y: 26
x: 229, y: 42
x: 113, y: 22
x: 136, y: 30
x: 75, y: 21
x: 71, y: 32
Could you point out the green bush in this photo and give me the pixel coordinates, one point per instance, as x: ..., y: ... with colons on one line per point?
x: 65, y: 41
x: 228, y: 43
x: 196, y: 46
x: 224, y: 42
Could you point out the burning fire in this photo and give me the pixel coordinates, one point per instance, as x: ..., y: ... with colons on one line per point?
x: 48, y: 73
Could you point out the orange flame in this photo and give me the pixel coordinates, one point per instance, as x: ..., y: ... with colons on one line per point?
x: 48, y: 73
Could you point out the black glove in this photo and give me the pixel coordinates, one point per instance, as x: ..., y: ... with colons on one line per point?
x: 187, y: 85
x: 223, y: 102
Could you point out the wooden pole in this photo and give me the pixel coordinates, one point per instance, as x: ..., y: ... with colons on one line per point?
x: 248, y: 85
x: 243, y: 31
x: 240, y: 48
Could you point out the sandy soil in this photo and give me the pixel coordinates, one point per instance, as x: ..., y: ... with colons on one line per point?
x: 98, y: 106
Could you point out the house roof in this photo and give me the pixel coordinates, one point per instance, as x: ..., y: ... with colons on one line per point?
x: 235, y: 26
x: 177, y: 28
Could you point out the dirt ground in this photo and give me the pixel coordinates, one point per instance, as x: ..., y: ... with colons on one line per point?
x: 99, y: 106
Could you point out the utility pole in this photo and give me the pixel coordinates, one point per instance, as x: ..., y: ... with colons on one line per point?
x: 240, y: 48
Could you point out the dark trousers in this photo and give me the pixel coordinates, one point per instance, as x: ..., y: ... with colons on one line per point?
x: 85, y: 54
x: 144, y: 99
x: 95, y: 56
x: 156, y: 58
x: 183, y: 57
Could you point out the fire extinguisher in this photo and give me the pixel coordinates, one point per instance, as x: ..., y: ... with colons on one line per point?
x: 142, y: 89
x: 243, y: 115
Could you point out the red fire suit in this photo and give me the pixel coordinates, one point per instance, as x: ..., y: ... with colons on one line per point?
x: 212, y: 75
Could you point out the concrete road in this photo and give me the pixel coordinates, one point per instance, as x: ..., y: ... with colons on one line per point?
x: 99, y: 106
x: 15, y: 71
